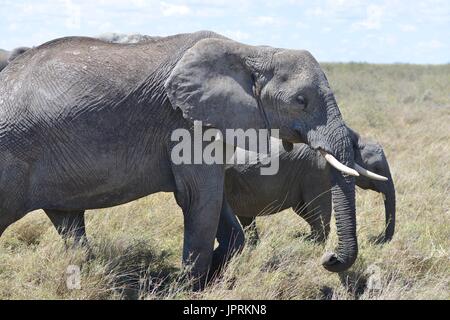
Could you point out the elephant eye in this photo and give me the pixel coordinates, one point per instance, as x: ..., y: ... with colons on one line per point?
x: 302, y: 101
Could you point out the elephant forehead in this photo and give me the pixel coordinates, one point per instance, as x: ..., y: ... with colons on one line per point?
x: 372, y: 150
x: 298, y: 66
x: 371, y: 158
x: 300, y: 59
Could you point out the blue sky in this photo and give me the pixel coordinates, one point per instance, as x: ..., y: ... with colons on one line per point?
x: 383, y: 31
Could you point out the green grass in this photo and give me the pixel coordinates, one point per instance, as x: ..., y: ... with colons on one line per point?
x: 136, y: 248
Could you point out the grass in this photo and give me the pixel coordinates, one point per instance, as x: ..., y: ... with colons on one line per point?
x: 136, y: 248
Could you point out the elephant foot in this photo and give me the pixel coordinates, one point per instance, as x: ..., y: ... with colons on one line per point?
x: 218, y: 265
x: 198, y: 283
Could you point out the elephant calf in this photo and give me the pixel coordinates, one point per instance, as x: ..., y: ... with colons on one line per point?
x: 303, y: 184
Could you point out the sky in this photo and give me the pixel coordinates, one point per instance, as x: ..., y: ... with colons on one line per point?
x: 380, y: 31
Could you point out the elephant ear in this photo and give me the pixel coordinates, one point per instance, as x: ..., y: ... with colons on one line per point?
x: 356, y: 138
x: 213, y: 83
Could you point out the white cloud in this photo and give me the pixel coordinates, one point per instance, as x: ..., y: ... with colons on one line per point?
x: 13, y: 26
x: 372, y: 41
x: 265, y: 21
x: 301, y: 25
x: 344, y: 5
x: 106, y: 27
x: 168, y: 9
x: 373, y: 18
x: 407, y: 28
x: 280, y: 23
x: 389, y: 40
x: 236, y: 35
x: 335, y: 8
x: 431, y: 44
x: 73, y: 12
x: 209, y: 12
x: 316, y: 11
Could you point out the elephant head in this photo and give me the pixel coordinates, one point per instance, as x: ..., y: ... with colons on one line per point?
x: 371, y: 156
x: 228, y: 85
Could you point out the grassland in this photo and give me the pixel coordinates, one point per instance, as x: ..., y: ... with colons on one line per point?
x: 137, y: 247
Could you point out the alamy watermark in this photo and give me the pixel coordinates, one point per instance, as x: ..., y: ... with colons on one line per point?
x: 374, y: 282
x: 237, y: 147
x: 73, y: 277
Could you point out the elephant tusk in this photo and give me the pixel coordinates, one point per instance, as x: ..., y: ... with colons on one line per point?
x: 339, y: 166
x: 369, y: 174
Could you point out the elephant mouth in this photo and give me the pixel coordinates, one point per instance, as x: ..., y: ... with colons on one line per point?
x: 326, y: 152
x: 338, y: 165
x: 356, y: 171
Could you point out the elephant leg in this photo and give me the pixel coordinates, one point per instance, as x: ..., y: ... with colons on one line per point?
x: 317, y: 213
x: 69, y: 224
x: 229, y: 235
x: 13, y: 195
x: 199, y: 192
x: 249, y: 225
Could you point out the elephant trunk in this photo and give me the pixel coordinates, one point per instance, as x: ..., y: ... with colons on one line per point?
x: 343, y: 195
x: 389, y: 205
x: 334, y: 138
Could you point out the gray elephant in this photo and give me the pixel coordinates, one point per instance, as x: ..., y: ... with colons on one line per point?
x: 303, y: 184
x: 6, y: 57
x: 97, y: 132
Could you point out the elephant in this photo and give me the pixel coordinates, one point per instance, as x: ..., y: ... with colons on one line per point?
x: 6, y: 57
x: 303, y: 184
x: 97, y: 131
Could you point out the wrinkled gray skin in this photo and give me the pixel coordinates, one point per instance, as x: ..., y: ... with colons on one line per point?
x: 303, y: 184
x: 97, y: 132
x: 7, y: 57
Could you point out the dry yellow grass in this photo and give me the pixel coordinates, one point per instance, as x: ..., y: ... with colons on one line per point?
x: 137, y: 247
